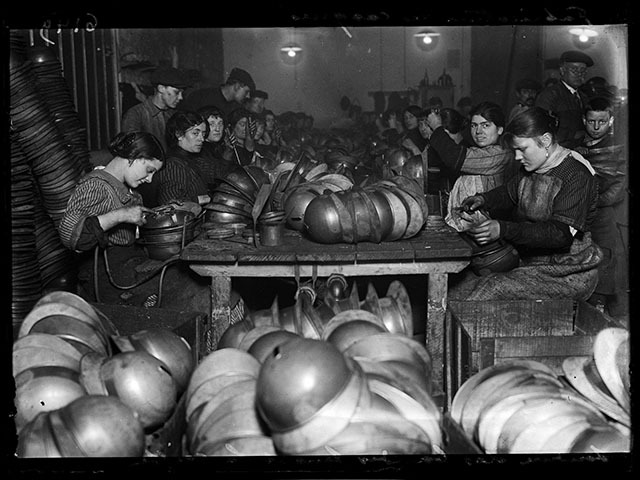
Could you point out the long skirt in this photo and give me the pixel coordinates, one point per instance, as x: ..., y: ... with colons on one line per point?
x: 569, y: 275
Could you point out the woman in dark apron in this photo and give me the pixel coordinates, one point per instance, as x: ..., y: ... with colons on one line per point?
x: 553, y: 199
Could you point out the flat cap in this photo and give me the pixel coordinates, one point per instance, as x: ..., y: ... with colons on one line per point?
x: 529, y: 84
x: 576, y: 56
x: 170, y: 77
x: 260, y: 94
x: 241, y: 76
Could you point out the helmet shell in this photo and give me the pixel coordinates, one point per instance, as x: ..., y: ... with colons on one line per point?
x: 165, y: 345
x: 298, y: 379
x: 143, y: 383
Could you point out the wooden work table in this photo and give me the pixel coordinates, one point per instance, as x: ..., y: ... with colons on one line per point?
x: 436, y: 251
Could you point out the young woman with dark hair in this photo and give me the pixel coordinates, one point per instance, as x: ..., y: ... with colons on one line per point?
x: 105, y: 207
x: 553, y: 200
x: 481, y: 167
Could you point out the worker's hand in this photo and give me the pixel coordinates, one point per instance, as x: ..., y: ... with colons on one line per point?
x: 252, y: 127
x: 409, y: 145
x: 485, y: 232
x: 393, y: 122
x: 434, y: 119
x: 136, y: 214
x: 230, y: 139
x: 471, y: 204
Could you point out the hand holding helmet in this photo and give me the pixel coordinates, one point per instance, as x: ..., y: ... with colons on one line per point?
x: 472, y: 203
x: 485, y: 232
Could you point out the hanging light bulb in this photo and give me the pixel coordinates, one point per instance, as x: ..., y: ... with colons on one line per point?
x: 427, y: 39
x: 583, y: 36
x: 291, y: 53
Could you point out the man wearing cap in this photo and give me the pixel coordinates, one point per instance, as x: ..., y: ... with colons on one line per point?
x: 226, y: 97
x: 151, y: 115
x: 527, y: 90
x: 564, y: 99
x: 255, y: 104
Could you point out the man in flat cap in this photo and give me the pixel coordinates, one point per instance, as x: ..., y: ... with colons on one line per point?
x: 152, y: 114
x: 255, y: 104
x: 527, y: 90
x: 227, y: 97
x: 564, y: 99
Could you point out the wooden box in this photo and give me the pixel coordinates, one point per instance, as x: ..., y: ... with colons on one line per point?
x: 479, y: 334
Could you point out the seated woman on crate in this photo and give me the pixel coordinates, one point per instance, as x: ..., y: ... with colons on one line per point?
x: 553, y: 201
x: 103, y: 214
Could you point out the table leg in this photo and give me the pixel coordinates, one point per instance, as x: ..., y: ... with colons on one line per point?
x: 437, y: 284
x: 220, y: 317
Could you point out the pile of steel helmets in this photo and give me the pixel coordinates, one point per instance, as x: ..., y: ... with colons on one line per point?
x: 388, y: 210
x: 355, y: 389
x: 603, y: 377
x: 309, y: 316
x: 522, y: 406
x: 84, y: 390
x: 220, y: 412
x: 233, y: 199
x: 169, y: 228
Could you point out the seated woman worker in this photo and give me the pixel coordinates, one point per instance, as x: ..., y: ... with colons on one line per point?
x: 478, y: 168
x: 105, y: 211
x: 553, y: 199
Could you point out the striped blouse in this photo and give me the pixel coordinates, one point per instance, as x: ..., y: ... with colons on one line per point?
x: 98, y: 192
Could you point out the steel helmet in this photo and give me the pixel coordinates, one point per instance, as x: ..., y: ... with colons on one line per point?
x: 234, y: 334
x: 96, y: 426
x: 76, y: 301
x: 168, y: 347
x: 35, y: 439
x: 298, y: 379
x: 83, y: 336
x: 41, y: 350
x: 264, y: 346
x: 42, y: 389
x: 138, y: 379
x: 396, y: 158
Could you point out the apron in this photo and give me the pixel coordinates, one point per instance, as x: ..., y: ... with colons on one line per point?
x: 572, y: 274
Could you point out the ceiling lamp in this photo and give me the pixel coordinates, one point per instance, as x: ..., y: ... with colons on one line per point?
x: 291, y: 54
x: 583, y: 37
x: 427, y: 39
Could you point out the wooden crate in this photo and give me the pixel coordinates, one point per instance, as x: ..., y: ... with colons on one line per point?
x: 130, y: 319
x: 479, y: 334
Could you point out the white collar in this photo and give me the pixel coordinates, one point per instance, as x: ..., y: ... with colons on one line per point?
x: 569, y: 87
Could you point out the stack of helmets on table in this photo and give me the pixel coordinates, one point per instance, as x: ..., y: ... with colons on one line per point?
x: 354, y: 388
x: 82, y: 389
x: 523, y: 406
x: 233, y: 199
x: 387, y: 210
